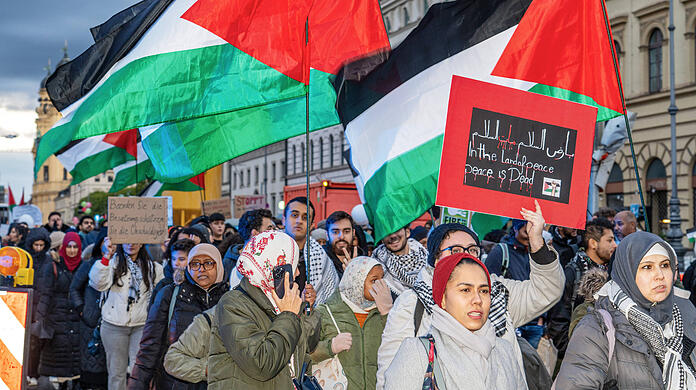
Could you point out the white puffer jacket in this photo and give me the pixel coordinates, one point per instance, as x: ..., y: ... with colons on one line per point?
x: 115, y: 310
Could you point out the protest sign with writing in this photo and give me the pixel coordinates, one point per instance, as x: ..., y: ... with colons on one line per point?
x: 243, y: 203
x: 222, y: 206
x: 505, y: 147
x: 137, y: 220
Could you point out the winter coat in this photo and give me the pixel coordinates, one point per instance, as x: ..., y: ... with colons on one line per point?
x: 360, y: 361
x: 187, y: 358
x: 689, y: 281
x: 85, y: 300
x: 559, y: 316
x: 40, y: 258
x: 528, y: 300
x: 229, y: 261
x: 114, y: 310
x: 518, y: 266
x: 251, y: 346
x: 476, y: 360
x: 633, y: 365
x: 167, y: 279
x: 566, y: 247
x: 58, y: 323
x: 160, y: 332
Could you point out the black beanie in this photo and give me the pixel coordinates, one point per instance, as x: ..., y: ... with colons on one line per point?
x: 439, y: 233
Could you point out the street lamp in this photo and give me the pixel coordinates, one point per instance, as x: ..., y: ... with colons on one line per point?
x: 674, y: 234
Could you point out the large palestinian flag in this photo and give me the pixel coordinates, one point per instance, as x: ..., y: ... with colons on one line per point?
x: 156, y: 188
x: 395, y: 116
x: 226, y: 76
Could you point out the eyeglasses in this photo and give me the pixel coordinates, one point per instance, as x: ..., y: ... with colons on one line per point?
x: 473, y: 250
x: 196, y: 266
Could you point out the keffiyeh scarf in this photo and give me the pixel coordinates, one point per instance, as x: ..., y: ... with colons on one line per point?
x: 404, y: 268
x: 136, y: 277
x: 323, y: 281
x: 499, y: 299
x: 666, y: 343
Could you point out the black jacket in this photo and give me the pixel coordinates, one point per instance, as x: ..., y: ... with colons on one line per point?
x: 168, y: 271
x: 85, y: 300
x: 58, y: 323
x: 159, y: 333
x: 566, y: 247
x: 689, y: 281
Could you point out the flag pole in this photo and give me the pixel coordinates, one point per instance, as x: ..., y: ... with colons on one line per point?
x: 625, y: 114
x: 307, y: 155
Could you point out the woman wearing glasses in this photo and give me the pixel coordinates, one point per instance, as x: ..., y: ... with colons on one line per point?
x: 58, y: 324
x: 172, y: 312
x: 126, y: 276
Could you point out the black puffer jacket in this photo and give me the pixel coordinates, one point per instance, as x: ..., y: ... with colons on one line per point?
x: 168, y: 271
x: 39, y: 258
x: 159, y: 333
x: 85, y: 300
x: 58, y: 323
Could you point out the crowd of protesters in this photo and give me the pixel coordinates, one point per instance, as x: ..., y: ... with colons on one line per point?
x: 295, y: 303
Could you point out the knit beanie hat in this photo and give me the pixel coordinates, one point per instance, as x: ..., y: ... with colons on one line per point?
x: 419, y: 232
x: 56, y: 239
x: 444, y: 270
x: 319, y: 234
x: 438, y: 234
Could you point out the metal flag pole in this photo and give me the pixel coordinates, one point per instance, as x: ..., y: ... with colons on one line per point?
x: 307, y: 154
x: 625, y: 114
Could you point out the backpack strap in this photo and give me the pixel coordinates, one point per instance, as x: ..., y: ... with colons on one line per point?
x: 505, y: 264
x: 207, y: 318
x: 433, y: 372
x: 417, y: 316
x: 172, y: 303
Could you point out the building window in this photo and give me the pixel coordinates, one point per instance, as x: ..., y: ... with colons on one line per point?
x: 225, y: 173
x: 45, y: 173
x: 97, y: 179
x: 241, y: 179
x: 282, y: 169
x: 693, y: 184
x: 234, y: 183
x: 387, y: 24
x: 273, y: 172
x: 656, y: 184
x: 65, y: 174
x: 302, y: 164
x: 321, y: 153
x: 311, y: 155
x: 273, y: 203
x: 248, y: 177
x: 294, y: 159
x: 655, y: 60
x: 617, y: 53
x: 256, y: 175
x: 406, y: 18
x: 614, y: 188
x: 331, y: 151
x: 110, y: 179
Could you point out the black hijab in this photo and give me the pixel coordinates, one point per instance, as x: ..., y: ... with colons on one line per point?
x: 629, y: 254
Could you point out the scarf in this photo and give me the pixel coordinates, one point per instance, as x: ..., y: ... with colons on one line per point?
x: 324, y: 284
x: 403, y: 268
x: 665, y: 342
x: 136, y: 278
x: 261, y: 254
x: 352, y: 285
x: 71, y: 262
x: 499, y: 299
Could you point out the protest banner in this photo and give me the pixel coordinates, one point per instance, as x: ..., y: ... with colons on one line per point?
x: 137, y: 220
x: 243, y: 203
x: 29, y: 210
x: 503, y: 148
x: 222, y: 206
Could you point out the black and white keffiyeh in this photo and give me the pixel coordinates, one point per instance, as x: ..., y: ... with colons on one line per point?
x: 322, y: 274
x: 499, y: 300
x: 665, y: 342
x: 136, y: 277
x: 403, y: 268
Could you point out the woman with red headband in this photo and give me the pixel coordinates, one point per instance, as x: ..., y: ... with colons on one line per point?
x: 462, y: 347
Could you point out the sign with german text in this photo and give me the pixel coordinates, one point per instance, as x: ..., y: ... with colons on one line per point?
x: 244, y: 203
x: 137, y: 220
x: 505, y: 147
x: 222, y: 206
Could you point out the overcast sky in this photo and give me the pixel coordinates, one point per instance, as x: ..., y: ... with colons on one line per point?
x: 31, y: 33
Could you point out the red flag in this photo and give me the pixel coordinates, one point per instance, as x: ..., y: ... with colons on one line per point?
x: 21, y: 201
x: 12, y: 202
x: 199, y: 180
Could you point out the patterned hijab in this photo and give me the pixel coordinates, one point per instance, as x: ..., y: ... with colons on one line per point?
x: 352, y: 285
x: 264, y: 252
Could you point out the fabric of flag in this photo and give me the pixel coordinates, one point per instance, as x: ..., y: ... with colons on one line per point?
x: 226, y: 76
x: 95, y: 155
x: 21, y: 201
x: 11, y: 200
x: 156, y: 188
x: 395, y: 115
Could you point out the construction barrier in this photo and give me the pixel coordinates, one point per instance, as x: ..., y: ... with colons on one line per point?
x: 15, y: 314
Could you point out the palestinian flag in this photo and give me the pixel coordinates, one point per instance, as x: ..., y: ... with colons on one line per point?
x: 11, y: 201
x: 227, y: 76
x: 133, y: 171
x: 156, y: 188
x: 95, y: 155
x: 395, y: 116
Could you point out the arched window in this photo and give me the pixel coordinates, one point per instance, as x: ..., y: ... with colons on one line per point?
x: 294, y: 159
x: 241, y: 179
x: 693, y: 202
x: 655, y: 61
x: 656, y: 186
x: 311, y: 155
x: 617, y: 52
x: 387, y: 24
x: 614, y: 188
x: 302, y: 164
x: 321, y: 153
x: 406, y: 18
x: 331, y: 150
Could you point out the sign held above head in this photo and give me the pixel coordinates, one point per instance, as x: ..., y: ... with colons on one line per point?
x: 137, y: 220
x: 504, y: 147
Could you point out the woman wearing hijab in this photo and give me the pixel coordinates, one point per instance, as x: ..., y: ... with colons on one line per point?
x: 461, y: 348
x: 260, y: 341
x: 58, y: 323
x: 653, y: 344
x: 201, y: 289
x: 359, y: 308
x: 127, y: 278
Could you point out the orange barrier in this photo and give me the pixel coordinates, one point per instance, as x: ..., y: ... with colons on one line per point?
x: 14, y: 316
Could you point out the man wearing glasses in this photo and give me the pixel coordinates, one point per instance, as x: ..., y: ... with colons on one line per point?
x: 513, y: 303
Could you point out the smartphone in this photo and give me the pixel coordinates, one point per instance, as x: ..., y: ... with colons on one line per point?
x: 279, y: 278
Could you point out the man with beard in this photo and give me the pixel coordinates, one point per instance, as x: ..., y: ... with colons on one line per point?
x: 85, y: 229
x: 55, y: 223
x: 340, y: 247
x: 596, y: 250
x: 323, y: 279
x: 402, y: 258
x: 625, y: 223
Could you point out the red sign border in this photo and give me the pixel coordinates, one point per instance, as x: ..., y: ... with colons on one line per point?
x: 465, y: 94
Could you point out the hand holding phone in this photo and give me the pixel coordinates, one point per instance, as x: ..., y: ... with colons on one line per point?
x: 291, y: 300
x: 279, y: 278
